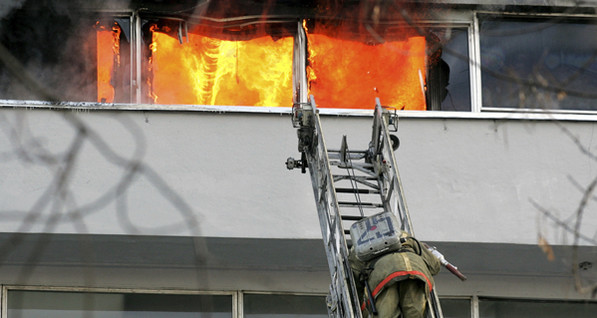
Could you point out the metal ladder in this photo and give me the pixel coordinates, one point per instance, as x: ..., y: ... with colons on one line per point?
x: 349, y: 185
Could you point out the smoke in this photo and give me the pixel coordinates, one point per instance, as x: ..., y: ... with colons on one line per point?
x: 55, y: 41
x: 7, y: 6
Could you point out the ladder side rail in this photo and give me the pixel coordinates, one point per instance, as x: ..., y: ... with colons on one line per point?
x: 340, y: 250
x: 397, y: 201
x: 320, y: 184
x: 331, y: 224
x: 336, y: 306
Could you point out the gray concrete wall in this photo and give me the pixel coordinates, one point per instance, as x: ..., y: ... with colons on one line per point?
x: 223, y: 174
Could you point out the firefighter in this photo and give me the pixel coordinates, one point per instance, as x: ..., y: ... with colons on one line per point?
x: 399, y: 281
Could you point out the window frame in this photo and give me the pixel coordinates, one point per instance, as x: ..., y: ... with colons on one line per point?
x: 242, y: 294
x: 553, y: 114
x: 479, y: 299
x: 235, y: 295
x: 456, y: 17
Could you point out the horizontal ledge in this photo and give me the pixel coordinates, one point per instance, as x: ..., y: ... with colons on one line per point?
x: 486, y: 114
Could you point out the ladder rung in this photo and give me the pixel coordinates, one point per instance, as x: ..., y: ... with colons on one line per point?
x: 352, y: 217
x: 351, y: 190
x: 344, y: 165
x: 362, y: 204
x: 348, y: 177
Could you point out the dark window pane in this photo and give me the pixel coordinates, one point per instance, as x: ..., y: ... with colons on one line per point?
x: 538, y: 63
x: 262, y: 306
x: 456, y: 308
x: 449, y: 72
x: 33, y: 304
x: 491, y: 308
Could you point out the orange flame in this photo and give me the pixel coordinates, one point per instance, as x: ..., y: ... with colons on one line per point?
x: 258, y: 72
x: 210, y: 71
x: 108, y: 54
x: 350, y: 74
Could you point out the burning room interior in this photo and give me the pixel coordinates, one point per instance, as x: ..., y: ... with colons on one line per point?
x: 240, y: 53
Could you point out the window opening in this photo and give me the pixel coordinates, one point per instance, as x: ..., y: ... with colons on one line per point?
x: 113, y: 67
x: 212, y: 66
x: 516, y: 308
x: 538, y: 63
x: 449, y: 69
x: 59, y: 304
x: 277, y: 305
x: 391, y: 67
x: 456, y: 307
x: 408, y: 67
x: 87, y: 57
x: 78, y: 57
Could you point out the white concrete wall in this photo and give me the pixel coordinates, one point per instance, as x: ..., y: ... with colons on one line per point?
x: 465, y: 179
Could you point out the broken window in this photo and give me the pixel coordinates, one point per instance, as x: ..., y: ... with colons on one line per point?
x: 194, y: 64
x: 113, y: 60
x: 76, y: 57
x: 349, y: 70
x: 218, y: 59
x: 406, y: 67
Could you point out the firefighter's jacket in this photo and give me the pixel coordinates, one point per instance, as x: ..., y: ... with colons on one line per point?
x: 412, y: 261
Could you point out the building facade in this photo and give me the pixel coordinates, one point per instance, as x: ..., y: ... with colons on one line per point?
x: 143, y: 149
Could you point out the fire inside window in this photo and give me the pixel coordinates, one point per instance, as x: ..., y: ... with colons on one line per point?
x: 198, y: 68
x: 351, y: 73
x: 210, y: 68
x: 108, y: 60
x: 113, y: 74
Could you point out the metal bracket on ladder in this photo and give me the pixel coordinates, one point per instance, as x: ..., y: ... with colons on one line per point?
x: 349, y: 185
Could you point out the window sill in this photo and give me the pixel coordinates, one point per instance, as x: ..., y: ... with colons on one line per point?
x: 487, y: 113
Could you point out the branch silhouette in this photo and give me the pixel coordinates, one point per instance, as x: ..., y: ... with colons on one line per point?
x: 58, y: 204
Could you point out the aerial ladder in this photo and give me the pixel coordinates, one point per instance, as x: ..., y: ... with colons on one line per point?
x: 348, y: 186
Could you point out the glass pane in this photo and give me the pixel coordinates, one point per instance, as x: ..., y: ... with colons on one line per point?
x: 544, y: 309
x: 449, y: 66
x: 456, y: 308
x: 538, y: 63
x: 45, y: 304
x: 262, y: 306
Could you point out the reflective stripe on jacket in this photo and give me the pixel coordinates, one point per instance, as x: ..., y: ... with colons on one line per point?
x: 412, y: 262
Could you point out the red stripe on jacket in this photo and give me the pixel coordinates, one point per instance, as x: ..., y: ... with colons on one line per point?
x: 386, y: 280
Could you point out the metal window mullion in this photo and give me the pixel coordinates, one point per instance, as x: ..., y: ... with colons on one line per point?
x: 136, y: 58
x: 300, y: 84
x: 238, y: 306
x: 4, y: 305
x: 474, y: 40
x: 475, y: 307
